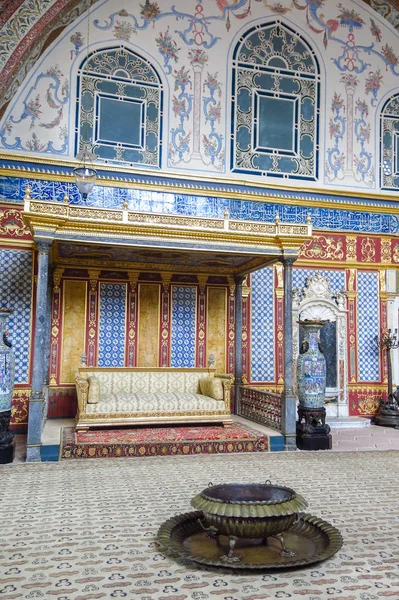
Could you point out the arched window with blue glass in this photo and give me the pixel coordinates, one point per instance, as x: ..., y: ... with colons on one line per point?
x: 389, y: 136
x: 119, y: 108
x: 275, y: 103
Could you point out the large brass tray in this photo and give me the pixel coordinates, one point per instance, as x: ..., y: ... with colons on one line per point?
x: 312, y: 539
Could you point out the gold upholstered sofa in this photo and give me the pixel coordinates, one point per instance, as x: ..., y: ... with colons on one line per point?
x: 151, y: 396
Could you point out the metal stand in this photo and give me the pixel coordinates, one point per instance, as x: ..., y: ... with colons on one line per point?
x: 388, y: 412
x: 313, y: 433
x: 7, y: 444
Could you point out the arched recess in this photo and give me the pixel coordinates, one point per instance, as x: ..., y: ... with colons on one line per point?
x: 318, y: 302
x: 275, y: 104
x: 119, y: 100
x: 389, y: 140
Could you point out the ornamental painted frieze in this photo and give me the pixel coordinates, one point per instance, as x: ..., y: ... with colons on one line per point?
x: 321, y: 247
x: 11, y: 224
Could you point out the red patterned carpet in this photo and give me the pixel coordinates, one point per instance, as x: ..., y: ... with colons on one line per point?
x: 161, y: 441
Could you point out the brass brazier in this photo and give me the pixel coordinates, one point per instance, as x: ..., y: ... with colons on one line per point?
x: 248, y: 511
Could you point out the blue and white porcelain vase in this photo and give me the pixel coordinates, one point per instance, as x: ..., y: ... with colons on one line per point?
x: 7, y: 373
x: 7, y: 365
x: 311, y: 368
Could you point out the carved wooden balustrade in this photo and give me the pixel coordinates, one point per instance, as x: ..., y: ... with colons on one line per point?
x: 261, y: 406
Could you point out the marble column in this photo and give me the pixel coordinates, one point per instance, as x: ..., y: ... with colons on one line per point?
x: 288, y: 398
x: 239, y: 279
x: 36, y: 400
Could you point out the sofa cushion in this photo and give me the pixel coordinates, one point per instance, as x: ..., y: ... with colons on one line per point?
x: 212, y: 386
x: 167, y: 402
x: 120, y: 382
x: 94, y: 390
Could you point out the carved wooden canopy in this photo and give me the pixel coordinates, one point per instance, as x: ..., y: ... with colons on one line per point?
x: 90, y: 236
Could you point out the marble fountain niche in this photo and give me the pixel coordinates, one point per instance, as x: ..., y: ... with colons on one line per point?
x: 317, y: 301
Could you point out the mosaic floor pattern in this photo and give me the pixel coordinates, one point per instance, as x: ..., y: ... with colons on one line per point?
x: 80, y: 530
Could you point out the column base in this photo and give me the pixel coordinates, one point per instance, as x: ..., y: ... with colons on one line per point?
x: 33, y: 454
x: 290, y: 443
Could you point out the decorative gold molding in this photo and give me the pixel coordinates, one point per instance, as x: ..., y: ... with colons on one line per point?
x: 327, y: 264
x: 262, y: 243
x: 280, y: 278
x: 12, y: 243
x: 368, y: 250
x: 382, y: 276
x: 386, y: 244
x: 202, y: 281
x: 57, y: 275
x: 198, y: 184
x: 133, y: 278
x: 352, y: 280
x: 323, y: 247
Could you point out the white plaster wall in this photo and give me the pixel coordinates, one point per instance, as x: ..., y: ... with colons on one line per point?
x: 351, y: 51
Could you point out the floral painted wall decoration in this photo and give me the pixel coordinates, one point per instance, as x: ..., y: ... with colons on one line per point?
x: 205, y: 125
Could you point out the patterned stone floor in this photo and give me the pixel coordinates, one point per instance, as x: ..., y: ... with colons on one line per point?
x: 87, y: 529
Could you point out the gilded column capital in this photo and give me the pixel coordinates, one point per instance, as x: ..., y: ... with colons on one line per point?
x: 93, y: 277
x: 133, y: 278
x: 202, y: 281
x: 58, y: 273
x: 232, y: 285
x: 166, y: 279
x: 246, y: 290
x: 94, y: 273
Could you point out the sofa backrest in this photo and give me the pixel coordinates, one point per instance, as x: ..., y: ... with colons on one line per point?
x: 131, y: 380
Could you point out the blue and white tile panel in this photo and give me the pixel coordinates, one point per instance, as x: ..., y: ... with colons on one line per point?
x: 16, y: 293
x: 13, y: 190
x: 299, y: 277
x: 262, y: 327
x: 184, y: 303
x: 368, y: 324
x: 112, y: 325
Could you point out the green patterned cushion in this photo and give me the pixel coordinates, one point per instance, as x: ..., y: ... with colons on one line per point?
x: 94, y: 390
x: 211, y: 386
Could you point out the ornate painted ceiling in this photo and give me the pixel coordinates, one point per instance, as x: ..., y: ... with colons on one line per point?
x: 28, y: 27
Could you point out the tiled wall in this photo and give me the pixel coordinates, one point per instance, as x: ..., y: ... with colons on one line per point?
x: 112, y: 326
x: 16, y: 293
x: 184, y: 301
x: 262, y: 327
x: 368, y: 326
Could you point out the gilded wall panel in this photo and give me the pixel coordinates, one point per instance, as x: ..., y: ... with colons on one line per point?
x: 148, y: 331
x: 73, y: 330
x: 216, y: 328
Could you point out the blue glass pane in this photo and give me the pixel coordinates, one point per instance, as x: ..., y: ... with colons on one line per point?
x: 276, y: 123
x: 307, y: 109
x: 244, y: 138
x: 120, y: 121
x: 306, y: 146
x: 244, y: 100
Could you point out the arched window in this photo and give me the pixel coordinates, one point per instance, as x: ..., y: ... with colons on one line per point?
x: 390, y: 144
x: 119, y: 108
x: 275, y: 102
